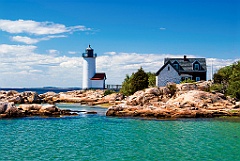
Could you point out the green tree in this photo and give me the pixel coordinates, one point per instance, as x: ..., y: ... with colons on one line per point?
x: 127, y: 86
x: 234, y: 81
x: 137, y: 81
x: 151, y: 79
x: 227, y: 80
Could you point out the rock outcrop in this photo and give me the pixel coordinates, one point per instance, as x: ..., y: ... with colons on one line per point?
x: 30, y: 103
x: 189, y: 100
x: 90, y: 97
x: 23, y: 97
x: 10, y: 110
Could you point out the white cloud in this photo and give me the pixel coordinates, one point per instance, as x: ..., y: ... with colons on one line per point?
x: 13, y: 49
x: 21, y: 66
x: 72, y: 52
x: 33, y: 32
x: 25, y: 39
x: 70, y: 63
x: 37, y: 28
x: 162, y: 28
x: 110, y: 53
x: 28, y: 40
x: 53, y: 52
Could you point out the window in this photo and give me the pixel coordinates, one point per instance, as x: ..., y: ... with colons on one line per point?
x: 198, y: 79
x: 168, y: 68
x: 175, y: 66
x: 196, y: 67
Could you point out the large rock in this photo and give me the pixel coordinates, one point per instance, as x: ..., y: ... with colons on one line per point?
x: 49, y: 110
x: 188, y: 100
x: 201, y: 85
x: 8, y: 110
x: 30, y: 107
x: 154, y: 90
x: 111, y: 98
x: 24, y: 97
x: 49, y: 97
x: 30, y: 97
x: 199, y: 99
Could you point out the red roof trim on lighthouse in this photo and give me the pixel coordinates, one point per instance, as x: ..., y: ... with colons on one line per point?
x: 99, y: 76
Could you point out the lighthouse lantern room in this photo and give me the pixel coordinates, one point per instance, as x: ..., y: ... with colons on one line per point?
x: 91, y: 79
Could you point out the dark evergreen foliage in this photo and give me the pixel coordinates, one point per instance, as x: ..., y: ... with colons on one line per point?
x: 137, y: 81
x: 227, y: 80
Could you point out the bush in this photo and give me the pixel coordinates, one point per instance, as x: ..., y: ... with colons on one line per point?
x: 137, y: 81
x: 229, y: 79
x: 217, y: 88
x: 151, y: 79
x: 172, y: 87
x: 107, y: 92
x: 127, y: 86
x: 188, y: 81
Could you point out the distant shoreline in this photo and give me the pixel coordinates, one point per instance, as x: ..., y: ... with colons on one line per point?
x: 41, y: 90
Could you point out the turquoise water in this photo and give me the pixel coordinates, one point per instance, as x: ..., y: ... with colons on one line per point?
x: 96, y: 137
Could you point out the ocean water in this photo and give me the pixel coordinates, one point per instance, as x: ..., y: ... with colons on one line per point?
x: 100, y: 138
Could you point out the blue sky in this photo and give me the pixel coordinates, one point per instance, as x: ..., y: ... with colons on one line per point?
x: 41, y: 41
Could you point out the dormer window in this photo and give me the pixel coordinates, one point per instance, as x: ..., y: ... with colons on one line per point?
x: 196, y: 66
x: 176, y: 65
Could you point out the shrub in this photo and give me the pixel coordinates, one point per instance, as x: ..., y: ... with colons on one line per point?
x: 188, y: 81
x: 137, y: 81
x: 172, y: 87
x: 107, y: 92
x: 229, y: 79
x: 151, y: 79
x: 217, y: 87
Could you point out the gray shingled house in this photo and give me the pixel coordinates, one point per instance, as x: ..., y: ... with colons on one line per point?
x: 179, y: 69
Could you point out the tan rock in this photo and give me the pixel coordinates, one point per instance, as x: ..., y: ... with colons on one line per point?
x: 29, y: 107
x: 49, y: 108
x: 189, y: 100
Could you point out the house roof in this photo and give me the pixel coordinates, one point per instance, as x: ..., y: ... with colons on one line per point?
x: 165, y: 64
x: 99, y: 76
x: 186, y: 64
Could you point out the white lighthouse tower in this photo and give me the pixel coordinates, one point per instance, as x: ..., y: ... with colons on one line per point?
x: 91, y: 79
x: 89, y: 67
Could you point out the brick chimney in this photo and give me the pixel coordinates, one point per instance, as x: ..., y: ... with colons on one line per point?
x: 185, y: 57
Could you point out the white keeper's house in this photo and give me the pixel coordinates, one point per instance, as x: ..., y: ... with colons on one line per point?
x: 91, y: 79
x: 179, y: 69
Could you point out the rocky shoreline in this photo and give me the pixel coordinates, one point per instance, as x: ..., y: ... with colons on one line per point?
x: 10, y: 110
x: 14, y: 104
x: 189, y: 100
x: 88, y: 97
